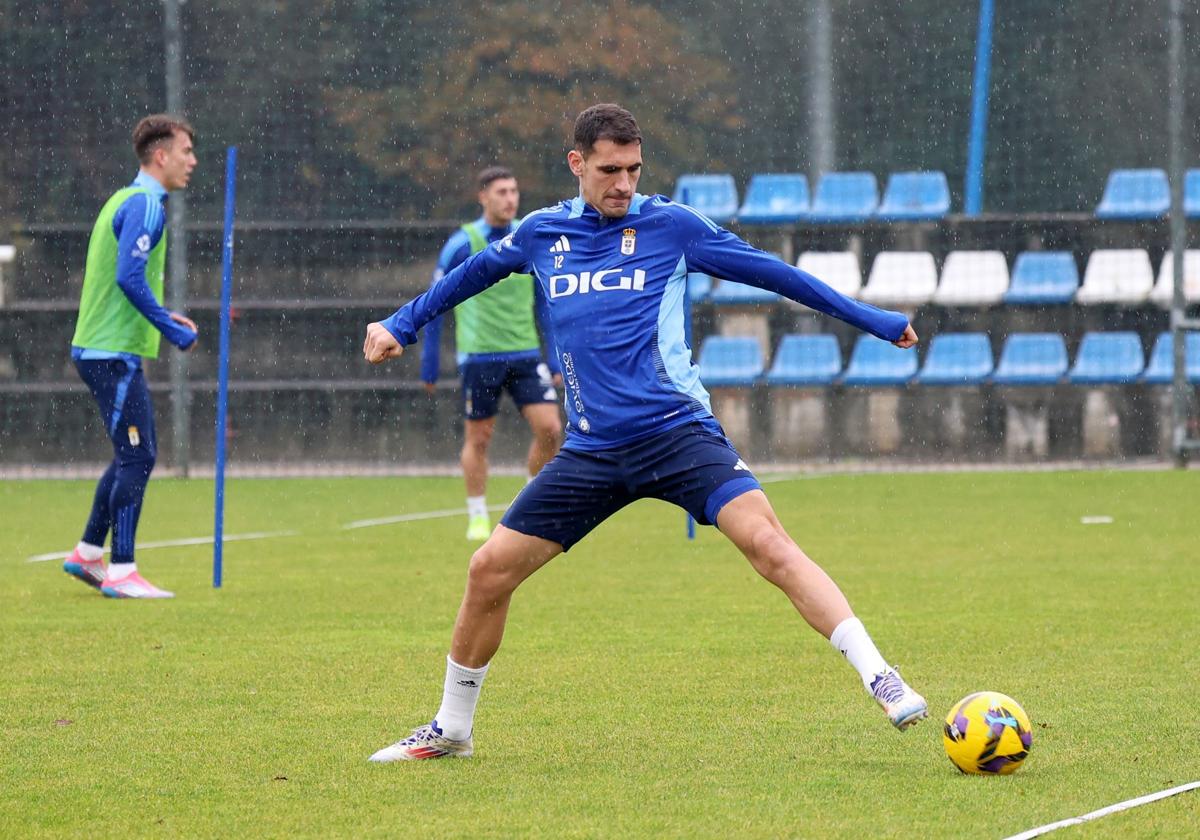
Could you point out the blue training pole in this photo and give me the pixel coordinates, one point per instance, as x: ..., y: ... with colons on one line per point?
x: 977, y: 144
x: 223, y: 362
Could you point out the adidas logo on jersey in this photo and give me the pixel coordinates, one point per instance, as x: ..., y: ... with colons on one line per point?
x: 562, y: 246
x: 562, y: 285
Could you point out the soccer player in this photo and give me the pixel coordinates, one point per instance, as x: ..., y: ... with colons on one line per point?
x: 497, y: 342
x: 639, y: 423
x: 121, y: 319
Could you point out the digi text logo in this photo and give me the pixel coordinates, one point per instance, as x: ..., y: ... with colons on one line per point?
x: 562, y: 285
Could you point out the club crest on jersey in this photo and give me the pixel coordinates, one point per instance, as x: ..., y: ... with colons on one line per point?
x: 628, y: 241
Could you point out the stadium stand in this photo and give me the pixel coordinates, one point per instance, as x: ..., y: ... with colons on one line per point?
x: 845, y: 197
x: 699, y: 287
x: 1043, y: 277
x: 713, y: 195
x: 957, y: 359
x: 805, y: 361
x: 1191, y: 194
x: 1108, y: 358
x: 730, y: 361
x: 901, y: 278
x: 1116, y: 276
x: 775, y: 200
x: 1135, y: 194
x: 1032, y: 359
x: 1161, y: 369
x: 839, y: 269
x: 972, y: 278
x: 915, y: 196
x: 1164, y: 289
x: 875, y: 362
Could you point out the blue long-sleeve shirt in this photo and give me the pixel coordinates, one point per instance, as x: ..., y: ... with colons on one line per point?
x: 139, y: 225
x: 453, y: 254
x: 615, y: 291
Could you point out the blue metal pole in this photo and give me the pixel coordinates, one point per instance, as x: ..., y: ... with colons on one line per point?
x: 977, y: 143
x: 223, y: 362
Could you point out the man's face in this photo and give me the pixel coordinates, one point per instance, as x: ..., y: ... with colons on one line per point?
x: 500, y: 200
x: 177, y: 160
x: 608, y: 175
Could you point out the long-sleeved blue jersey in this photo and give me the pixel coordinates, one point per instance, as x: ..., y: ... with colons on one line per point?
x: 615, y: 290
x: 138, y: 225
x: 454, y: 253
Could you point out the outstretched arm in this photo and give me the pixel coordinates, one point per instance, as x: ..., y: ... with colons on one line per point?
x: 478, y: 272
x: 716, y: 251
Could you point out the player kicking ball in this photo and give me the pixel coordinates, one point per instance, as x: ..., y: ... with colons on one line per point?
x: 639, y: 421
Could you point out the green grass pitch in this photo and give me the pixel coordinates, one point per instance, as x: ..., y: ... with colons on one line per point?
x: 647, y: 686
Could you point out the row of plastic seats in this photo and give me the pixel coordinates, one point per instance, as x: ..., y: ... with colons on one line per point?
x: 1146, y: 194
x: 953, y: 359
x: 840, y: 197
x: 980, y: 278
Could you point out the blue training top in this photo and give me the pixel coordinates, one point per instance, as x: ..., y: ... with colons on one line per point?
x: 615, y: 290
x: 454, y: 253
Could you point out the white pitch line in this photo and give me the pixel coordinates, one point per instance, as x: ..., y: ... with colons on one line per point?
x: 254, y: 535
x: 1104, y: 812
x: 412, y: 517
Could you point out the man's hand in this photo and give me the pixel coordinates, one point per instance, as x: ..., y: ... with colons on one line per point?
x: 909, y: 339
x: 179, y: 318
x: 430, y: 387
x: 380, y: 345
x: 557, y: 380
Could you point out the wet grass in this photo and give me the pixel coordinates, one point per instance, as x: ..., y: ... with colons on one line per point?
x: 648, y: 686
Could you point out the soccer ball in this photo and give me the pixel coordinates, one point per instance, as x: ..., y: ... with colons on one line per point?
x: 987, y: 733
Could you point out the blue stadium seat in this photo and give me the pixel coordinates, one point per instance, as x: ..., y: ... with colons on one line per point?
x: 1135, y: 194
x: 876, y: 362
x: 1032, y: 359
x: 730, y: 293
x: 699, y: 287
x: 713, y: 195
x: 915, y: 196
x: 845, y: 197
x: 1191, y: 194
x: 731, y: 361
x: 957, y: 359
x: 775, y: 200
x: 806, y: 360
x: 1108, y: 358
x: 1041, y: 277
x: 1161, y: 370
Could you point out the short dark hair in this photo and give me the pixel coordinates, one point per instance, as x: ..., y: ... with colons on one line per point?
x: 155, y: 130
x: 605, y: 122
x: 493, y: 173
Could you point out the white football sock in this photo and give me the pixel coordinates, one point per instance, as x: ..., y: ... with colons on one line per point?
x: 477, y: 506
x: 456, y: 717
x: 90, y: 552
x: 120, y: 571
x: 850, y: 637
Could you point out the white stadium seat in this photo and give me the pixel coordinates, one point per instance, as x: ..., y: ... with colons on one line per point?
x: 901, y: 278
x: 839, y: 269
x: 1116, y: 276
x: 1164, y: 289
x: 973, y: 278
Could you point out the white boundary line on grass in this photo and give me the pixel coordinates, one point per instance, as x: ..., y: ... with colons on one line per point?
x: 1104, y: 812
x: 254, y: 535
x: 412, y: 517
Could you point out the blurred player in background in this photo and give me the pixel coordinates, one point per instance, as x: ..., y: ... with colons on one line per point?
x: 121, y: 320
x: 496, y: 338
x: 639, y: 421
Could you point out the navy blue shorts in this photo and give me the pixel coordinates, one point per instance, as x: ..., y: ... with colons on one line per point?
x: 119, y: 388
x: 526, y: 380
x: 689, y: 466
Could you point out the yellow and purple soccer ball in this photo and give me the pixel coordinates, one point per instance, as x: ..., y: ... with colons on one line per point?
x: 987, y: 733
